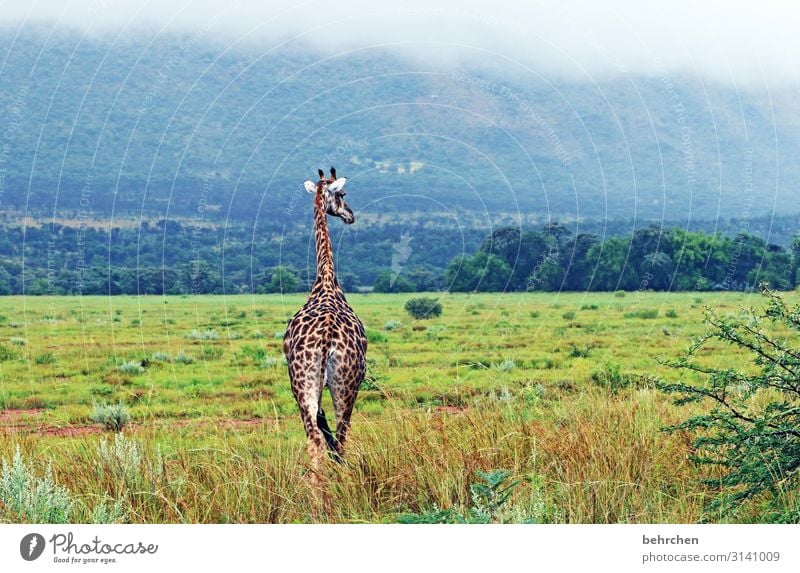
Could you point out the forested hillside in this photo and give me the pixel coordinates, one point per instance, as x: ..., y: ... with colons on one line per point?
x: 159, y: 124
x: 174, y: 163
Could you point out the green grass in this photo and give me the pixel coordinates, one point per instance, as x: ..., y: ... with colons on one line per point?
x: 553, y: 388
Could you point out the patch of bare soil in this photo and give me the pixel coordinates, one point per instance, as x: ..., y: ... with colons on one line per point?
x: 449, y: 409
x: 15, y: 415
x: 69, y: 431
x: 28, y: 420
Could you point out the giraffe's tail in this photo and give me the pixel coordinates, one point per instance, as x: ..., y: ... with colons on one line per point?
x: 333, y: 445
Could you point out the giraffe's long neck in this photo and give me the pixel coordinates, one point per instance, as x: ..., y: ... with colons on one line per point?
x: 326, y: 274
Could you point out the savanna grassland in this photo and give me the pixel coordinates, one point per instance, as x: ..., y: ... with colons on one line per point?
x: 556, y: 389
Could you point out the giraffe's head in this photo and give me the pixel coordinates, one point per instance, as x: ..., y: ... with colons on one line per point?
x: 330, y: 191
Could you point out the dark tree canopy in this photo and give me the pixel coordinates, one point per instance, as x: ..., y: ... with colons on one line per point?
x: 166, y: 257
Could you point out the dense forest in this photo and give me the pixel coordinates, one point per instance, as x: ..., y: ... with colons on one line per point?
x: 652, y: 258
x: 170, y: 257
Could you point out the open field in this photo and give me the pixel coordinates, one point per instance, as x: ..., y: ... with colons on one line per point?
x: 518, y: 382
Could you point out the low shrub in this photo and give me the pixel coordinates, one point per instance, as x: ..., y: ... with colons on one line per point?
x: 209, y: 334
x: 610, y: 377
x: 506, y: 365
x: 160, y: 357
x: 269, y: 362
x: 211, y: 353
x: 647, y: 313
x: 46, y: 358
x: 489, y: 497
x: 33, y: 498
x: 183, y: 358
x: 423, y: 307
x: 579, y: 351
x: 114, y: 417
x: 131, y: 368
x: 392, y: 325
x: 374, y: 336
x: 7, y: 354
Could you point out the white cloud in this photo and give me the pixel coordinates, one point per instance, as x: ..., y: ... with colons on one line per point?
x: 723, y: 40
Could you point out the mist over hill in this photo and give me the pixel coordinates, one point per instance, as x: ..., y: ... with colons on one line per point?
x: 169, y: 125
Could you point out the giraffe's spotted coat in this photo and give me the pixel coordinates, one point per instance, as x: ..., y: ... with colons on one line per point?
x: 325, y: 343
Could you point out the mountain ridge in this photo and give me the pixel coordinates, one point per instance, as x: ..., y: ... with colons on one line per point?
x: 153, y: 122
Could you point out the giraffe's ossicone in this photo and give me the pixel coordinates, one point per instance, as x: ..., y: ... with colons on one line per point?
x: 325, y: 343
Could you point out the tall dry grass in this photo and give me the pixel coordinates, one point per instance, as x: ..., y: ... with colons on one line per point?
x: 592, y: 457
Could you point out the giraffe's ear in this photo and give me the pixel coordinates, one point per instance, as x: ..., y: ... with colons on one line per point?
x: 337, y: 185
x: 310, y: 187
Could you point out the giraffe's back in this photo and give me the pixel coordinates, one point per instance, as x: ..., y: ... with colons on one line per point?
x: 326, y: 333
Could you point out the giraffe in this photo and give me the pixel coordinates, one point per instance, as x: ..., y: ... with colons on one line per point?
x: 325, y: 343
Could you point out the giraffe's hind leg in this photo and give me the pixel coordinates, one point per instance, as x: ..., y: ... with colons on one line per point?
x: 344, y: 392
x: 344, y: 410
x: 307, y: 389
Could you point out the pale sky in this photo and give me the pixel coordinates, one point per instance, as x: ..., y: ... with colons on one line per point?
x: 724, y: 40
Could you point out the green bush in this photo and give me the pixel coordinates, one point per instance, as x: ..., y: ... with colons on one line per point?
x: 159, y: 356
x: 579, y: 351
x: 647, y: 313
x: 610, y: 377
x: 489, y: 496
x: 109, y: 511
x: 374, y: 336
x: 30, y: 497
x: 423, y: 307
x: 132, y: 368
x: 183, y: 358
x: 123, y: 458
x: 751, y: 433
x: 209, y: 334
x: 39, y: 499
x: 255, y: 353
x: 211, y: 353
x: 506, y: 365
x: 269, y: 362
x: 392, y: 325
x: 46, y: 358
x: 7, y: 354
x: 114, y: 417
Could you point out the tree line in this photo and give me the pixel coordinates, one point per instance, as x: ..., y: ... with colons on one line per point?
x: 173, y: 258
x: 652, y: 258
